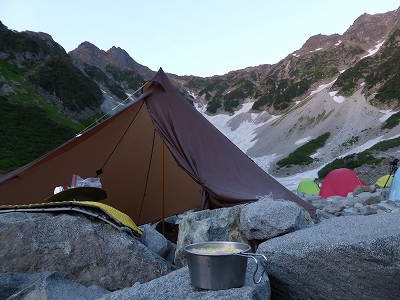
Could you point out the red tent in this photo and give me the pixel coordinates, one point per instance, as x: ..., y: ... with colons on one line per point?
x: 340, y: 182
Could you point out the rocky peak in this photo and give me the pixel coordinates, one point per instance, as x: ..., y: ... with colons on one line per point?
x: 365, y: 32
x: 122, y: 56
x: 115, y: 57
x: 319, y: 41
x: 368, y: 29
x: 124, y: 59
x: 91, y: 55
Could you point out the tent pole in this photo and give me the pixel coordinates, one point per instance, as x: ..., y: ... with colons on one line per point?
x: 163, y: 187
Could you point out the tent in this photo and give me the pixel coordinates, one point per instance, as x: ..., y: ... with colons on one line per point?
x: 385, y: 181
x: 339, y: 182
x: 394, y: 190
x: 156, y: 158
x: 308, y: 186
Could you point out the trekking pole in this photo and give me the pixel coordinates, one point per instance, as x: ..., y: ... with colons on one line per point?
x: 393, y: 169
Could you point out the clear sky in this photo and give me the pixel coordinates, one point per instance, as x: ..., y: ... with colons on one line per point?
x: 202, y: 38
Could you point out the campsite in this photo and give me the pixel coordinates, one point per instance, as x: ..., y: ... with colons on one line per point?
x: 272, y: 180
x: 153, y: 168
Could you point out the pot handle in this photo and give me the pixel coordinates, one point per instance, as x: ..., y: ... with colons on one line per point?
x: 263, y: 263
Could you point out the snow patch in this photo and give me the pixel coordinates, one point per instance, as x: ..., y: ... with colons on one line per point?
x: 318, y: 49
x: 317, y: 153
x: 264, y: 161
x: 387, y: 114
x: 338, y: 99
x: 373, y: 51
x: 244, y: 140
x: 322, y: 87
x: 292, y: 182
x: 338, y: 43
x: 303, y: 141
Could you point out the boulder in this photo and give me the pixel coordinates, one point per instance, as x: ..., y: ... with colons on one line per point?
x: 209, y: 225
x: 335, y: 207
x: 45, y: 286
x: 157, y: 243
x: 368, y: 210
x: 354, y: 257
x: 83, y: 249
x: 364, y: 188
x: 369, y: 199
x: 266, y: 219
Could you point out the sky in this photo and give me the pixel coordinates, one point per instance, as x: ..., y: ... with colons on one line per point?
x: 201, y: 38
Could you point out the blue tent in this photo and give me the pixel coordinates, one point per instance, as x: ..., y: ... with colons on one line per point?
x: 394, y: 191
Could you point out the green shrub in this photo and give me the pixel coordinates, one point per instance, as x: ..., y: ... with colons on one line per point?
x: 392, y: 121
x: 366, y: 157
x: 264, y: 100
x: 26, y: 133
x: 129, y: 77
x: 281, y: 93
x: 231, y: 100
x: 347, y: 82
x: 59, y: 76
x: 301, y: 156
x: 213, y: 106
x: 350, y: 162
x: 385, y: 145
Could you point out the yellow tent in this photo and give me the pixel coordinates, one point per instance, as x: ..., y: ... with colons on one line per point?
x: 385, y: 180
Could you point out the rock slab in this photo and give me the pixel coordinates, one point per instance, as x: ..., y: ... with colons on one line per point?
x: 354, y: 257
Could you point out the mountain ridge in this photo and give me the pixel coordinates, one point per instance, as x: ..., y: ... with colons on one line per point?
x: 292, y: 100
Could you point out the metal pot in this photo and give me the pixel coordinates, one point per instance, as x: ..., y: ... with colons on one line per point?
x: 216, y: 271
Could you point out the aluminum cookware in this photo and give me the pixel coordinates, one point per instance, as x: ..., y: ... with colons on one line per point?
x: 221, y: 265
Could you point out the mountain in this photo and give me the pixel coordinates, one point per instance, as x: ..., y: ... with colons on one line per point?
x: 114, y: 71
x: 338, y: 84
x: 335, y: 96
x: 46, y: 97
x: 276, y: 88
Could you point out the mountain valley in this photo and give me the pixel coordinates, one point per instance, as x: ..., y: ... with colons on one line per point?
x: 343, y: 87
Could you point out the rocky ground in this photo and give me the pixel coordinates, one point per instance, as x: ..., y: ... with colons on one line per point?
x: 356, y: 236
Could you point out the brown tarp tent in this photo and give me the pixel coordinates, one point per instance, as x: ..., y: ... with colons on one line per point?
x: 158, y: 157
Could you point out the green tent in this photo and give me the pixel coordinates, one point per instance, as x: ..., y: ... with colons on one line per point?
x: 308, y: 186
